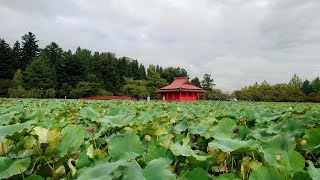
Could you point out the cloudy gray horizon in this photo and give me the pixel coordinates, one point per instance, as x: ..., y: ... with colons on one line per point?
x: 238, y: 42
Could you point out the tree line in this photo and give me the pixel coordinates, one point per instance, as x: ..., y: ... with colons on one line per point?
x: 27, y: 71
x: 295, y: 91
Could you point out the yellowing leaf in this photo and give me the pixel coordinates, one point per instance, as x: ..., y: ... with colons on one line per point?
x: 90, y: 151
x: 42, y: 133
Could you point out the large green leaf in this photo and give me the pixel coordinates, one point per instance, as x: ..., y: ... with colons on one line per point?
x: 265, y: 173
x: 279, y: 144
x: 292, y: 161
x: 185, y: 150
x: 313, y: 172
x: 224, y: 128
x: 199, y: 128
x: 6, y: 118
x: 312, y: 138
x: 302, y: 175
x: 83, y: 160
x: 229, y: 145
x: 73, y: 136
x: 3, y: 110
x: 158, y: 169
x: 197, y: 173
x: 289, y: 126
x: 132, y: 171
x: 228, y: 176
x: 88, y: 112
x: 124, y: 144
x: 10, y: 167
x: 100, y: 171
x: 155, y: 151
x: 15, y: 128
x: 117, y: 120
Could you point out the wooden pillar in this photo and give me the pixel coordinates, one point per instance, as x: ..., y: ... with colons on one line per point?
x: 166, y: 96
x: 198, y: 94
x: 180, y: 96
x: 173, y: 96
x: 204, y: 96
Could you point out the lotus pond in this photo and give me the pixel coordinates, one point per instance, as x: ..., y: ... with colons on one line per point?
x: 78, y: 139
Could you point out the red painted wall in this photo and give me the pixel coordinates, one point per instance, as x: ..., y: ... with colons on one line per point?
x: 175, y: 96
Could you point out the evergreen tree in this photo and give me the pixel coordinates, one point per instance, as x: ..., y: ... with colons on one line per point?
x: 195, y: 81
x: 306, y: 87
x: 54, y: 53
x: 207, y: 82
x: 316, y: 85
x: 123, y: 66
x: 142, y: 72
x: 70, y: 70
x: 108, y: 72
x: 5, y: 84
x: 123, y: 69
x: 159, y: 69
x: 16, y: 55
x: 30, y: 49
x: 6, y: 61
x: 134, y: 68
x: 39, y: 74
x: 84, y: 55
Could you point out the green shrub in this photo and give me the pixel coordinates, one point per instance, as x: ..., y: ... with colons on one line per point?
x: 50, y: 93
x: 17, y: 92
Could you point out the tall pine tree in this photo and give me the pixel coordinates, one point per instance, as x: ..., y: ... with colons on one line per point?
x: 54, y: 53
x: 306, y: 87
x: 6, y: 61
x: 108, y: 72
x: 70, y: 70
x: 30, y: 49
x: 16, y: 55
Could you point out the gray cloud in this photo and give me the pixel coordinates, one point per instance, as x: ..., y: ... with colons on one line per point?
x: 239, y: 42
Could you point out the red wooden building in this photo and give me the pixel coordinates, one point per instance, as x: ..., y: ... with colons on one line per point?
x: 181, y: 90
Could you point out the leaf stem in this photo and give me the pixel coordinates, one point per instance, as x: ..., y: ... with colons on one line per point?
x: 147, y: 151
x: 17, y: 158
x: 184, y: 173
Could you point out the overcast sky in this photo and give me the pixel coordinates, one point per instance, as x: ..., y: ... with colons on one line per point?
x: 238, y: 42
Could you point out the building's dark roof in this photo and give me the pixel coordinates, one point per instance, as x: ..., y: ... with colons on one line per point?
x: 181, y: 84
